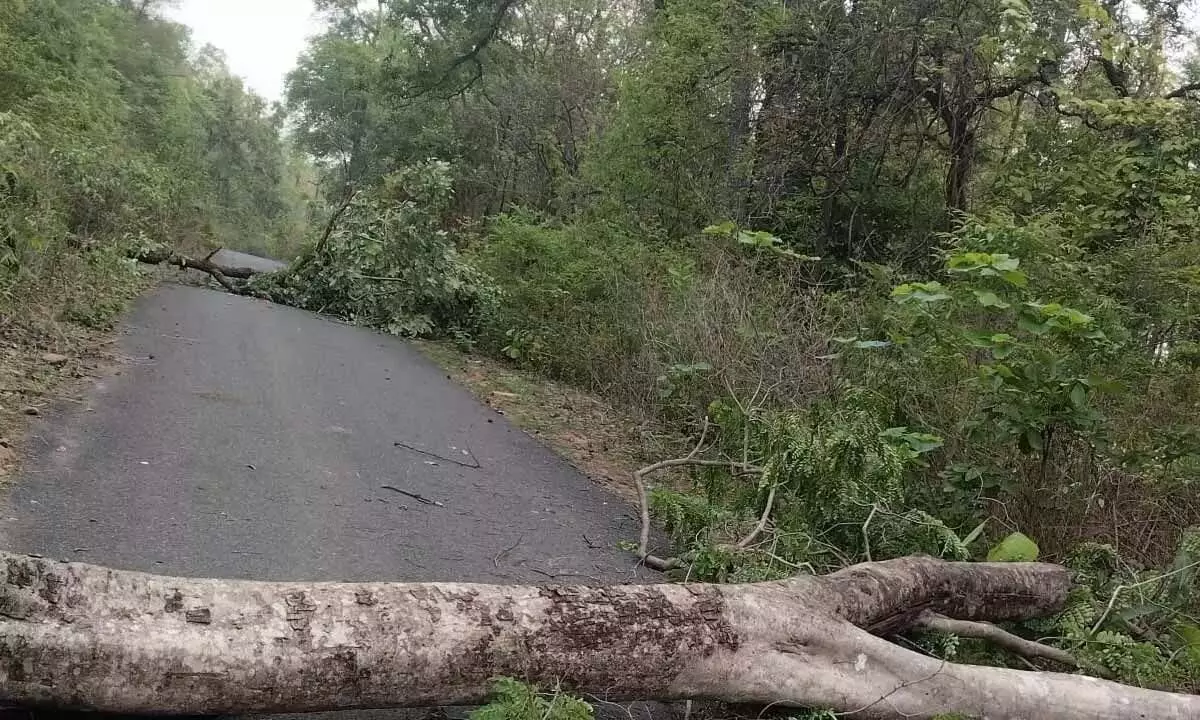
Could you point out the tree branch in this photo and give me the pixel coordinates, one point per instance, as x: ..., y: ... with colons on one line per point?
x: 220, y: 273
x: 1183, y: 91
x: 479, y: 44
x: 639, y: 479
x: 999, y: 637
x: 1116, y: 76
x: 330, y: 226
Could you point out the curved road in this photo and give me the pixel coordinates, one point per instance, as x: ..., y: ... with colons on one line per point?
x: 248, y: 440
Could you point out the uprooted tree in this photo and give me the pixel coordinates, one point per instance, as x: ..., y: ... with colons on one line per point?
x: 87, y: 637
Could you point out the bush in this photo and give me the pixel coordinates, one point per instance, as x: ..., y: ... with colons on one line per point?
x: 572, y: 296
x: 388, y: 265
x: 515, y: 700
x: 664, y: 327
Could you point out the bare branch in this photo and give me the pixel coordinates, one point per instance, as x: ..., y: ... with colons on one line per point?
x: 1183, y: 91
x: 999, y: 637
x: 762, y: 520
x: 219, y: 273
x: 639, y: 479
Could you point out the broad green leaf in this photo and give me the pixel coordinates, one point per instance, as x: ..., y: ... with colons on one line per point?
x: 1005, y: 262
x: 965, y: 262
x: 1031, y: 440
x: 987, y: 298
x: 929, y: 292
x: 1190, y: 634
x: 726, y: 228
x: 1015, y: 278
x: 1017, y: 547
x: 974, y: 534
x: 1030, y: 325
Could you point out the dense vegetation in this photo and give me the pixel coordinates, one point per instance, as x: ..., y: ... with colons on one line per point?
x: 117, y: 134
x: 926, y: 267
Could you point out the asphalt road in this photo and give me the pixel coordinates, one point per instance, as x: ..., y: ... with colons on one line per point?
x: 247, y: 440
x: 231, y: 258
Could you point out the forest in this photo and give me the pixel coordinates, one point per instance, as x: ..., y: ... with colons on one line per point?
x: 915, y: 276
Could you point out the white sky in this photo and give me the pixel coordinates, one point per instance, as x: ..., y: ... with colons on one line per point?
x: 261, y: 38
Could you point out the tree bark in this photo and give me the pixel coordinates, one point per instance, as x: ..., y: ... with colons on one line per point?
x: 90, y: 638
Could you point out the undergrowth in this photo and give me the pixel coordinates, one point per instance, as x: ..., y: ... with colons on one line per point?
x: 515, y: 700
x: 387, y: 264
x: 963, y: 416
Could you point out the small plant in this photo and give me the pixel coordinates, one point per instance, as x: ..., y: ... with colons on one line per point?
x: 515, y: 700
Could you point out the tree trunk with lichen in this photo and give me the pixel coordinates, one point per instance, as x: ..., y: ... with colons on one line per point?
x: 84, y: 637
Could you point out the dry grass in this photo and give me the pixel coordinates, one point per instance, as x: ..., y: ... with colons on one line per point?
x: 764, y: 336
x: 1089, y: 499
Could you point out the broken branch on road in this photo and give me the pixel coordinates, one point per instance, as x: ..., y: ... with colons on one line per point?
x: 692, y: 460
x: 473, y: 464
x: 221, y: 273
x: 413, y: 495
x: 92, y: 638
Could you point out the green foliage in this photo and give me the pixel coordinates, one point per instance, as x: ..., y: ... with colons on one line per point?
x: 111, y: 127
x: 1139, y: 626
x: 515, y: 700
x: 1016, y: 547
x: 387, y: 264
x: 838, y: 481
x: 569, y: 294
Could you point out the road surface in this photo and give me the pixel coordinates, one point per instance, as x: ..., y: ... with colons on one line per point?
x: 248, y: 440
x: 231, y: 258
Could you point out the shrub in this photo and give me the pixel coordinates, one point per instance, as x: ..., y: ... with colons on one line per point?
x: 515, y: 700
x: 387, y: 264
x: 572, y: 296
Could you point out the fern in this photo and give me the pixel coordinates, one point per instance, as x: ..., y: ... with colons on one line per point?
x: 515, y: 700
x: 1093, y: 564
x: 917, y: 532
x: 831, y: 469
x: 685, y: 515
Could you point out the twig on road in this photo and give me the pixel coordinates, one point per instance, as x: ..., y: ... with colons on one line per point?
x: 505, y: 551
x: 413, y: 495
x: 474, y: 464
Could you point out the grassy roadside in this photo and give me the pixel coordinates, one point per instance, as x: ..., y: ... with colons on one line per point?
x: 58, y: 332
x: 602, y: 441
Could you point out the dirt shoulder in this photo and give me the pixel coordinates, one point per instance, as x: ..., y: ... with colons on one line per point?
x: 56, y: 335
x: 603, y: 442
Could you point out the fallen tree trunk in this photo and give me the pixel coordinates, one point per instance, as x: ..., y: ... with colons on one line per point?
x: 220, y: 273
x: 85, y: 637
